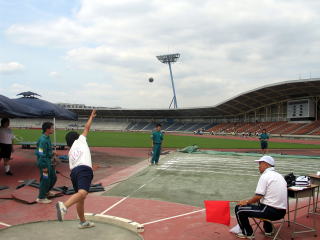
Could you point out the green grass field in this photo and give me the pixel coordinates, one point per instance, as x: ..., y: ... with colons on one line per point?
x: 137, y: 139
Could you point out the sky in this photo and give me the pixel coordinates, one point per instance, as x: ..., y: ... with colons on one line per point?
x: 102, y: 53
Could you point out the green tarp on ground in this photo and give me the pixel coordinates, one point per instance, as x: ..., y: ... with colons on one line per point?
x: 194, y: 149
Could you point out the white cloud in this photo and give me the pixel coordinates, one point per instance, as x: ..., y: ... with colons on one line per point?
x: 61, y: 32
x: 54, y: 74
x: 16, y: 88
x: 11, y: 67
x: 226, y: 47
x: 104, y: 94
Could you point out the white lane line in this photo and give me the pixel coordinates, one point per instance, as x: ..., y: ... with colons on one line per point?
x: 4, y: 224
x: 205, y: 171
x: 212, y: 169
x: 215, y: 165
x: 242, y: 165
x: 123, y: 199
x: 108, y: 209
x: 177, y: 216
x: 234, y: 168
x: 206, y: 166
x: 197, y: 161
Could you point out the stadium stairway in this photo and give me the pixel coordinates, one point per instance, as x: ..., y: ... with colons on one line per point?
x: 174, y: 126
x: 307, y: 129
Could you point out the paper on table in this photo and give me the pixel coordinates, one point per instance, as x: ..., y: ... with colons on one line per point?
x: 297, y: 188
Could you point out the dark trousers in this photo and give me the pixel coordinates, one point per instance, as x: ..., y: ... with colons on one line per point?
x: 264, y: 145
x: 47, y: 182
x: 243, y: 213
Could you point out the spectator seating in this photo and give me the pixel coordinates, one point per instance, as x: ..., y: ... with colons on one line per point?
x: 280, y: 127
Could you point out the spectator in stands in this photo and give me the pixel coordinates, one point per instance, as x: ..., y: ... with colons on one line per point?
x: 264, y: 138
x: 157, y: 138
x: 6, y: 148
x: 198, y: 132
x: 271, y: 196
x: 45, y: 163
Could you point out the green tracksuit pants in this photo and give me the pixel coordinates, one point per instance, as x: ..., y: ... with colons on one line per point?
x: 156, y: 153
x: 47, y: 182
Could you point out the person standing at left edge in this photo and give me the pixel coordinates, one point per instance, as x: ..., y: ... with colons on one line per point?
x: 6, y: 147
x: 157, y: 138
x: 45, y: 164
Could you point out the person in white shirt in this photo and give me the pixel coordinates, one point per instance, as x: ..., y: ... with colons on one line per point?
x: 6, y: 148
x: 271, y: 196
x: 81, y: 173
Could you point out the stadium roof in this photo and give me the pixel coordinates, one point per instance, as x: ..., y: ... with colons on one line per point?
x: 238, y: 105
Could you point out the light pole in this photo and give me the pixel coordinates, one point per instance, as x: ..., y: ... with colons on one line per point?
x: 168, y: 59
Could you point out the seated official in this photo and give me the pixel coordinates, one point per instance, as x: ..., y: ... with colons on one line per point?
x: 271, y: 196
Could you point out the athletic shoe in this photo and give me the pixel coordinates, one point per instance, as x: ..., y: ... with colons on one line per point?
x: 50, y: 194
x: 241, y: 235
x: 269, y: 234
x: 43, y: 200
x: 9, y: 173
x: 61, y: 210
x: 85, y: 224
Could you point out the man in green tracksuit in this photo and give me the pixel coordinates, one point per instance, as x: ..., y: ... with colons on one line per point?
x: 264, y: 138
x: 157, y: 138
x: 45, y: 164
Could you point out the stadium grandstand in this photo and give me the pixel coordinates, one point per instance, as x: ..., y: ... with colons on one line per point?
x: 285, y: 108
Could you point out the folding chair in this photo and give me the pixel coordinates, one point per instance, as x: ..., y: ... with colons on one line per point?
x: 258, y: 221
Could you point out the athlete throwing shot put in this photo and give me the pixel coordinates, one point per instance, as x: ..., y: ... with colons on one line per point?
x: 81, y: 173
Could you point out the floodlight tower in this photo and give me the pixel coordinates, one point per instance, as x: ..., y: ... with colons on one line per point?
x: 168, y: 59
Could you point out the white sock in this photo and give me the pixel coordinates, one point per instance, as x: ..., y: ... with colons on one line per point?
x: 7, y: 168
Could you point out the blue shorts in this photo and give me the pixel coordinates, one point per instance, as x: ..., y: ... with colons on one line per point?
x: 81, y: 178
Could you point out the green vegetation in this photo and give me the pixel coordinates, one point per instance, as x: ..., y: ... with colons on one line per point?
x: 138, y: 139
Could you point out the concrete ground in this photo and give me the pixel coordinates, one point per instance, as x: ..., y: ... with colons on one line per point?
x: 53, y: 230
x: 167, y: 199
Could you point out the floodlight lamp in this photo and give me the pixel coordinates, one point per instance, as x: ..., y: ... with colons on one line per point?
x: 170, y: 58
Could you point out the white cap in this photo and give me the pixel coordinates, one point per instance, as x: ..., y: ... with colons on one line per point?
x: 266, y: 159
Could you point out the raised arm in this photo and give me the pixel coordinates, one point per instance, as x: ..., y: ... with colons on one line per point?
x: 89, y: 122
